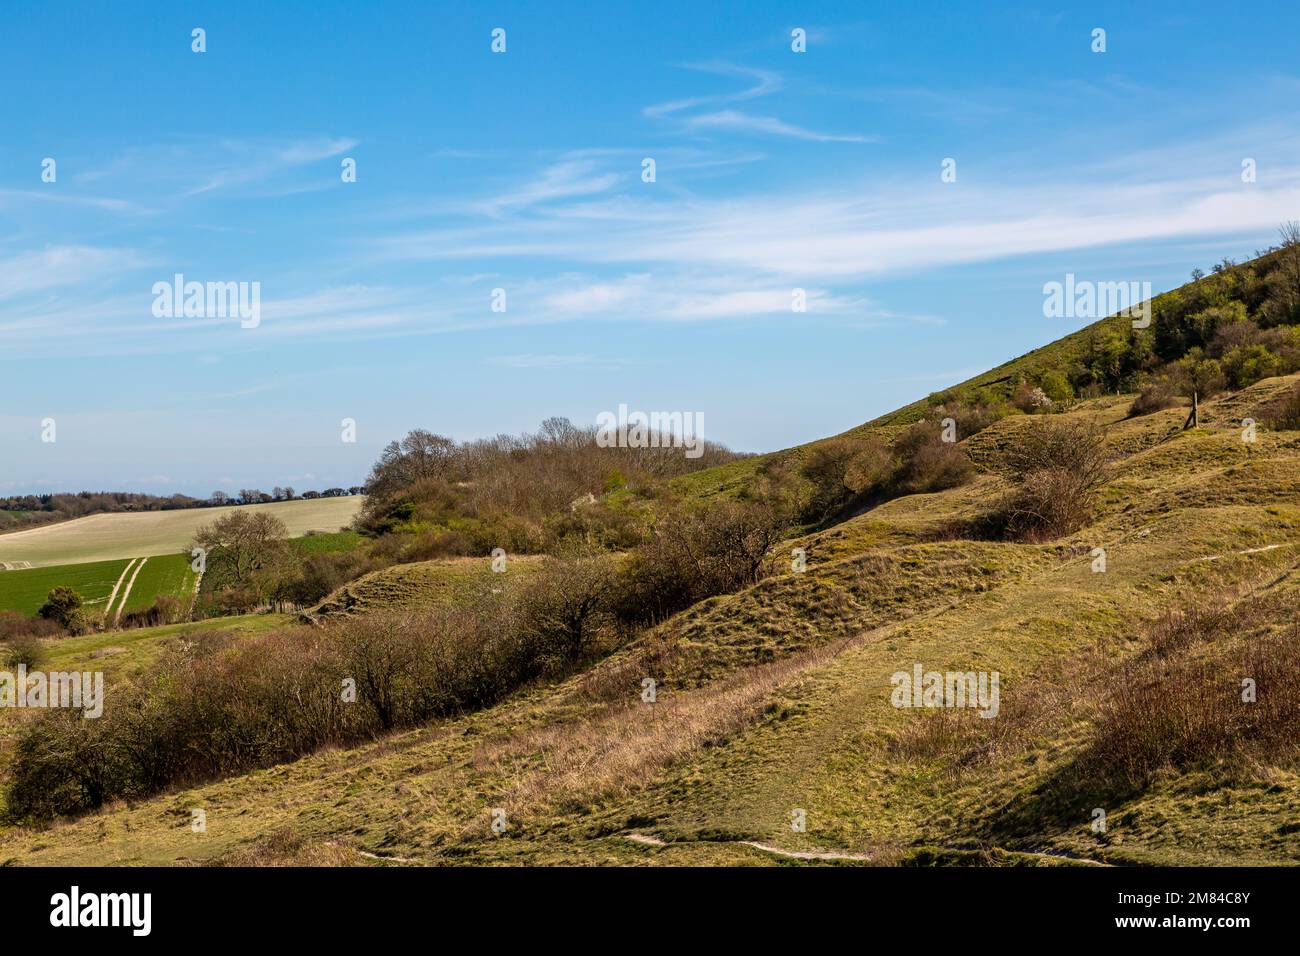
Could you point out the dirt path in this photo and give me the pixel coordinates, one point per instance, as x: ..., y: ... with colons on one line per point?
x: 840, y: 855
x: 766, y: 848
x: 1268, y: 547
x: 129, y: 586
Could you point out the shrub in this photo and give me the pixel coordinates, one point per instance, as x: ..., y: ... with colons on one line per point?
x: 969, y: 415
x: 1057, y: 467
x: 925, y: 462
x: 226, y: 601
x: 1057, y: 388
x: 315, y: 577
x: 14, y: 624
x: 1153, y: 397
x: 1283, y: 413
x: 166, y: 609
x: 25, y: 649
x: 63, y: 605
x: 693, y: 554
x: 565, y: 606
x: 595, y: 524
x: 1030, y: 398
x: 841, y: 470
x: 1247, y: 364
x: 215, y: 707
x: 1185, y: 709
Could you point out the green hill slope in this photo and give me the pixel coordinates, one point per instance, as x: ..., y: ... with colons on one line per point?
x: 777, y: 699
x: 1122, y: 652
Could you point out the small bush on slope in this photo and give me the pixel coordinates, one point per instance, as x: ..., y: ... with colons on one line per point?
x: 16, y: 624
x: 1056, y: 467
x: 1154, y: 397
x: 695, y: 553
x: 1184, y: 709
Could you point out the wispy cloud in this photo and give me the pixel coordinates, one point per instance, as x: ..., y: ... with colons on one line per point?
x: 61, y: 266
x: 863, y: 229
x: 52, y: 195
x: 702, y: 113
x: 567, y: 179
x: 762, y: 83
x: 736, y: 121
x: 245, y: 163
x: 543, y: 361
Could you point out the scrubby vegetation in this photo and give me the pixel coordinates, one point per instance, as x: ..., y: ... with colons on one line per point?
x: 1056, y: 469
x: 767, y: 601
x: 1283, y: 413
x: 1226, y: 329
x: 449, y: 498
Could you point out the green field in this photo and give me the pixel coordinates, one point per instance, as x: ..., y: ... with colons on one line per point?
x: 25, y: 591
x: 326, y: 543
x: 162, y: 574
x: 139, y: 534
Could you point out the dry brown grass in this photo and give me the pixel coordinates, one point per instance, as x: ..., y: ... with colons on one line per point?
x: 1187, y: 709
x: 286, y: 848
x: 620, y: 749
x: 1030, y: 711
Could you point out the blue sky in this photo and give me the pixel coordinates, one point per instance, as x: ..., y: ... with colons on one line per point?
x: 775, y: 170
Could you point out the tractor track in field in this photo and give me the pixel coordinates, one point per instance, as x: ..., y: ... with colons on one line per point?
x: 108, y: 606
x: 126, y: 596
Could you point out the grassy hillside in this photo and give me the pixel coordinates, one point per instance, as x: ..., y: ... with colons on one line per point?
x: 421, y: 584
x: 777, y: 698
x: 129, y: 535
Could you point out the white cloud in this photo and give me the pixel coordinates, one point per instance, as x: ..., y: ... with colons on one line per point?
x: 567, y: 179
x: 59, y: 266
x: 763, y: 82
x: 737, y: 121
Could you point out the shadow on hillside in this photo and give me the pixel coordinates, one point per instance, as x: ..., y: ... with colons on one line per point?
x: 1064, y: 800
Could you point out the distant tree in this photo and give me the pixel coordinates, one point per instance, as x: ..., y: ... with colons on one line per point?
x: 248, y: 541
x: 421, y: 454
x: 333, y: 493
x: 356, y: 490
x: 1199, y: 376
x: 311, y: 494
x: 220, y: 498
x: 288, y: 493
x: 277, y: 493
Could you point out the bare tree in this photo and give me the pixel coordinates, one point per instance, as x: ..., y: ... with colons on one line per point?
x: 247, y: 540
x: 421, y: 454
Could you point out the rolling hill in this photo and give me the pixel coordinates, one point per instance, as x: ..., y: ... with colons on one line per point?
x: 1123, y: 733
x: 776, y: 699
x: 120, y: 535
